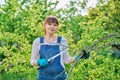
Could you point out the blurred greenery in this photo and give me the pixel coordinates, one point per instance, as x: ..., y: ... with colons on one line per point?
x: 21, y: 22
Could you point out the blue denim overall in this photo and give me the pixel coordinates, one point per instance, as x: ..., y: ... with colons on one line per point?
x: 54, y: 70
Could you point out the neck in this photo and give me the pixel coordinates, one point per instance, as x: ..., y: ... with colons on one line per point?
x: 50, y: 38
x: 49, y: 35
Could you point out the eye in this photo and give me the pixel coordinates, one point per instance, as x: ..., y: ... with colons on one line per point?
x: 55, y: 25
x: 49, y: 23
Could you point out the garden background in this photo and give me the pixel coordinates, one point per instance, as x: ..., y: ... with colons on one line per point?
x: 21, y: 22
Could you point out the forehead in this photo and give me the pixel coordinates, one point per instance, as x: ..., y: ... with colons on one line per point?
x: 51, y: 20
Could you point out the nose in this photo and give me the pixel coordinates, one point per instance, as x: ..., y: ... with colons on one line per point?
x: 51, y: 25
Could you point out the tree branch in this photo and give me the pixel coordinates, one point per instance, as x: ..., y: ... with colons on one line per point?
x: 88, y: 50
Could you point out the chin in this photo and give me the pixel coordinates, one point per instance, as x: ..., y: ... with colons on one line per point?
x: 52, y: 32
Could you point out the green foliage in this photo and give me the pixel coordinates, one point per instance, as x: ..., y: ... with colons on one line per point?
x: 97, y: 68
x: 21, y: 22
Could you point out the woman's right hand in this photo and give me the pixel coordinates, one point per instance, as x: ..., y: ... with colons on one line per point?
x: 42, y: 62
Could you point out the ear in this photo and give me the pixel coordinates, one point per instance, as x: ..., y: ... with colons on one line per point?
x: 44, y: 27
x: 43, y: 24
x: 58, y: 27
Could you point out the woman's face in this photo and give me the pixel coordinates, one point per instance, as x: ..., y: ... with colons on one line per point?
x: 51, y: 28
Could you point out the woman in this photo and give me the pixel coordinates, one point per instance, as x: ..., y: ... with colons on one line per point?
x: 48, y: 46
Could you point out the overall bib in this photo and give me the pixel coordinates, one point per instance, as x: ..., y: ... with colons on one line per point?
x: 54, y: 70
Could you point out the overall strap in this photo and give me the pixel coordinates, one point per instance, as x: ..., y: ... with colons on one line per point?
x: 41, y: 39
x: 59, y: 39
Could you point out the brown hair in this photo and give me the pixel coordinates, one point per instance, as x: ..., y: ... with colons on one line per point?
x: 50, y: 19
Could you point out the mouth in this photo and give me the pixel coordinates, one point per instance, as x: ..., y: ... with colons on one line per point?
x: 52, y: 30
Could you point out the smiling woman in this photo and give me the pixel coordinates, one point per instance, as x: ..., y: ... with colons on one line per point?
x: 48, y: 46
x: 51, y: 24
